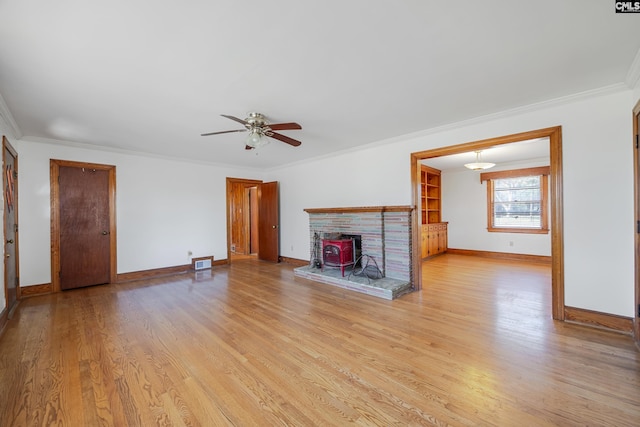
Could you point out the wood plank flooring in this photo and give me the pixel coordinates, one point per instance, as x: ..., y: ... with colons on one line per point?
x: 252, y: 345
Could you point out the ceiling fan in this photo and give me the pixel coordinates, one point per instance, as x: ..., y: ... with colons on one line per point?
x: 258, y: 128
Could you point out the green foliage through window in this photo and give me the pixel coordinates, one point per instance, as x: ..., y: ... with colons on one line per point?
x: 517, y: 202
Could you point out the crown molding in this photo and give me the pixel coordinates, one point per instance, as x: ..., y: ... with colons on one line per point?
x: 564, y: 100
x: 127, y: 152
x: 633, y: 75
x: 568, y: 99
x: 7, y: 118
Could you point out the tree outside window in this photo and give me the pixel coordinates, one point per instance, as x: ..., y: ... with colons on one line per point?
x: 517, y: 200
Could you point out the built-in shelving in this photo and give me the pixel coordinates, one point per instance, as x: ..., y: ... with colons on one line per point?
x: 434, y: 231
x: 431, y: 193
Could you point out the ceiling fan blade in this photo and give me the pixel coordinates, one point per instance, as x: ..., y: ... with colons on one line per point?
x: 284, y: 126
x: 286, y: 139
x: 234, y: 119
x: 224, y: 131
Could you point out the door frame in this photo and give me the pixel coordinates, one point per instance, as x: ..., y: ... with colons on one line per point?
x: 636, y: 208
x: 54, y: 170
x: 6, y: 145
x: 229, y: 183
x: 556, y: 197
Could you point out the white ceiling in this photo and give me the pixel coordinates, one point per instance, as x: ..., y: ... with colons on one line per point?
x: 151, y: 76
x: 533, y: 149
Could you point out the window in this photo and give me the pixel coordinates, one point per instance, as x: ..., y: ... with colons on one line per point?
x: 517, y: 200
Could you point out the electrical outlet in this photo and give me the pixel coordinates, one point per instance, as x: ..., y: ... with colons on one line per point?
x: 511, y: 243
x: 189, y: 253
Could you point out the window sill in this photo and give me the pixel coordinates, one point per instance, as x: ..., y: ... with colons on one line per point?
x: 519, y: 230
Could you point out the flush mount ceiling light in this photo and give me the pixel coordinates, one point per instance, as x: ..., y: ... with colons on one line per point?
x: 479, y: 164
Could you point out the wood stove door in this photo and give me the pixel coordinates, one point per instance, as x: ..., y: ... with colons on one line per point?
x: 268, y: 222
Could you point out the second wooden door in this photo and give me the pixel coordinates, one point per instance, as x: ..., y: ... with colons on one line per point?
x: 10, y: 181
x: 269, y: 222
x: 84, y: 227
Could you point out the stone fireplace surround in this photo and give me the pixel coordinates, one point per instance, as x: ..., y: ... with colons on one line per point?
x: 385, y: 232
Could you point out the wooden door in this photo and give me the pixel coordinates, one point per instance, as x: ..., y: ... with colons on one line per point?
x: 10, y: 185
x: 268, y: 222
x: 83, y: 224
x: 253, y: 220
x: 84, y: 227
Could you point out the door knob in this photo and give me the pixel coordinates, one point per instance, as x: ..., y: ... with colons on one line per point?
x: 274, y: 226
x: 10, y: 241
x: 104, y: 233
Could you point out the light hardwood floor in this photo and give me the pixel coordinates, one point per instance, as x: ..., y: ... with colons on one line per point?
x: 252, y: 345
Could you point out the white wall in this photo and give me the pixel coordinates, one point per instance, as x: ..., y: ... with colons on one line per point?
x: 464, y: 206
x: 598, y: 188
x: 164, y: 208
x: 359, y: 178
x: 162, y: 213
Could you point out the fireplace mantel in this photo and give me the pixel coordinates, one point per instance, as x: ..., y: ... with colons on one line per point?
x: 360, y: 209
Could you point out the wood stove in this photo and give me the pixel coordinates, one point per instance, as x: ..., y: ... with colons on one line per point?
x: 338, y: 253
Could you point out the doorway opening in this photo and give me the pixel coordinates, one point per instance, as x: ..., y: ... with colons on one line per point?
x: 554, y: 135
x: 241, y: 217
x: 252, y: 219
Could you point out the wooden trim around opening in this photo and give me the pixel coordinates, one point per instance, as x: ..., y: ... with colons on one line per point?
x: 230, y: 183
x: 600, y: 320
x: 554, y: 134
x: 541, y: 259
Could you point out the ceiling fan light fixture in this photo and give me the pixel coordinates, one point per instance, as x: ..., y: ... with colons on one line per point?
x: 256, y: 138
x: 260, y: 131
x: 479, y: 164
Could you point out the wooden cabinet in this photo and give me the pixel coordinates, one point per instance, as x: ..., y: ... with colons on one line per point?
x: 434, y: 231
x: 425, y: 242
x: 434, y: 239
